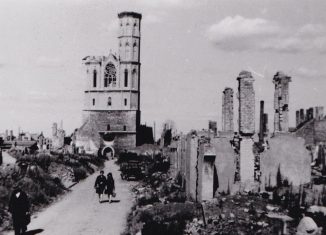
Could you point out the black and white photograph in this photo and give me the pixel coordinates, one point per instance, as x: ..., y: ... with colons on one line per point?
x: 163, y: 117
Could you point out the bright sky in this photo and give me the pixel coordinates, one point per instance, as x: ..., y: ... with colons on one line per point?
x: 190, y: 51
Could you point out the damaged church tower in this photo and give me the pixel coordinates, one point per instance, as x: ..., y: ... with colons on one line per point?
x: 111, y: 114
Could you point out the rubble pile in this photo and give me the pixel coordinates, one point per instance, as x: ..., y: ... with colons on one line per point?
x: 239, y: 214
x: 159, y: 187
x: 160, y: 207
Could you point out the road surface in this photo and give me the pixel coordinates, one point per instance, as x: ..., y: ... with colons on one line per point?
x: 79, y: 212
x: 7, y: 159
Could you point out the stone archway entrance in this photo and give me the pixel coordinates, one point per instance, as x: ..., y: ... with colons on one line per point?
x: 108, y: 152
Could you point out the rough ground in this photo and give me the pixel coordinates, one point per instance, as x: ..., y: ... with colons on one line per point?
x: 79, y: 212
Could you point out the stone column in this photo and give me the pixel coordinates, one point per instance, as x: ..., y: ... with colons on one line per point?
x: 246, y: 104
x: 227, y: 110
x: 281, y: 102
x: 261, y: 122
x: 246, y: 125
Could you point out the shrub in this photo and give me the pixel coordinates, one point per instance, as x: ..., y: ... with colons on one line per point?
x: 79, y: 173
x: 166, y: 219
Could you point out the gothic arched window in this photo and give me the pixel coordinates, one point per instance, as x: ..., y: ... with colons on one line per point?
x: 133, y: 78
x: 126, y: 78
x: 94, y: 78
x: 110, y: 75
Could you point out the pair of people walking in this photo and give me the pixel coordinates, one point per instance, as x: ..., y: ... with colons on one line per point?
x: 105, y: 185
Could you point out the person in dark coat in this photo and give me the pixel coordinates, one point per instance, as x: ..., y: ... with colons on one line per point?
x: 100, y: 185
x: 19, y: 208
x: 110, y: 187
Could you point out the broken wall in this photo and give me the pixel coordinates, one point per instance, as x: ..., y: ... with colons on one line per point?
x: 288, y: 153
x: 224, y: 163
x: 191, y: 168
x: 247, y: 160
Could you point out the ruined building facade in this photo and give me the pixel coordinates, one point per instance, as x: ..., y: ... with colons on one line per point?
x: 111, y: 113
x: 227, y: 110
x: 281, y: 102
x: 58, y: 136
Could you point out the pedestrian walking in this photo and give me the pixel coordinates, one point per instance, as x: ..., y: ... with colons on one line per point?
x: 110, y: 187
x: 20, y: 210
x: 100, y: 184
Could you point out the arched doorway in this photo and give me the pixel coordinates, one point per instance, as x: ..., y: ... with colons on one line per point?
x: 108, y: 152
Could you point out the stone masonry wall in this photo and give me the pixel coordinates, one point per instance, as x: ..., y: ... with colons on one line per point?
x: 115, y: 122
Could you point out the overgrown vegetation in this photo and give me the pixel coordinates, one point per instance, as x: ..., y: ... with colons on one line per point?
x: 160, y: 206
x: 39, y: 177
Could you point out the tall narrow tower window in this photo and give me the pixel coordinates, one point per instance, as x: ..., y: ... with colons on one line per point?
x: 93, y: 102
x: 126, y: 102
x: 109, y: 101
x: 108, y: 127
x: 127, y: 51
x: 110, y: 75
x: 124, y: 128
x: 134, y: 28
x: 134, y: 51
x: 126, y: 78
x: 133, y: 78
x: 94, y: 78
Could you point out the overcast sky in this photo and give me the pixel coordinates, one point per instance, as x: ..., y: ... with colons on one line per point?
x: 190, y: 51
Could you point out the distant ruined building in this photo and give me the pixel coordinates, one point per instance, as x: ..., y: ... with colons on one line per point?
x: 111, y: 114
x: 281, y: 102
x: 311, y: 125
x: 227, y: 164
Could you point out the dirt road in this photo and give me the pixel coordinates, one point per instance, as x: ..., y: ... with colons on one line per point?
x: 80, y: 212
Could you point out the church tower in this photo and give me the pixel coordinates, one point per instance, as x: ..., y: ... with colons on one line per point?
x: 112, y: 95
x: 129, y: 55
